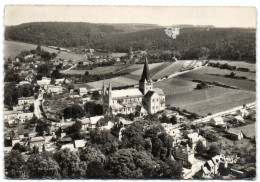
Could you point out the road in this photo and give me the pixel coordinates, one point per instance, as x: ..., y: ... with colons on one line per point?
x: 223, y: 113
x: 37, y: 104
x: 64, y: 71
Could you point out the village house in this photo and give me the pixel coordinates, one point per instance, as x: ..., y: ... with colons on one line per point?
x: 194, y: 138
x: 217, y: 121
x: 126, y: 101
x: 83, y: 91
x: 235, y: 134
x: 56, y: 89
x: 184, y: 155
x: 25, y: 100
x: 44, y: 81
x: 37, y: 142
x: 242, y: 112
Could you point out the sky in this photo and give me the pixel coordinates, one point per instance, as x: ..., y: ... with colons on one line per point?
x: 165, y: 16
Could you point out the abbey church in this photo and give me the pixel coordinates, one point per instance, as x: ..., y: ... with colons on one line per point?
x: 142, y: 100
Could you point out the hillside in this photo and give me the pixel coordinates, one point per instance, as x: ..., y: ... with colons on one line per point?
x: 192, y: 43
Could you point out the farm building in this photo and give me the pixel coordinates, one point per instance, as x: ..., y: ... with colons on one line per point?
x: 239, y: 119
x: 217, y: 121
x: 242, y: 112
x: 235, y: 134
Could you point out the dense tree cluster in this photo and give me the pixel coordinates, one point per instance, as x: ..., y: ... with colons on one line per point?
x: 192, y: 42
x: 13, y: 92
x: 74, y: 112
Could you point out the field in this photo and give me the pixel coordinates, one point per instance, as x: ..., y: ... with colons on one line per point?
x: 95, y: 71
x: 176, y: 67
x: 238, y: 64
x: 71, y: 56
x: 210, y: 100
x: 222, y: 72
x: 248, y: 130
x: 242, y: 84
x: 12, y: 49
x: 175, y: 86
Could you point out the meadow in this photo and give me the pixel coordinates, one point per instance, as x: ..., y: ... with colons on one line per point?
x: 12, y: 48
x: 241, y: 84
x: 210, y: 100
x: 238, y: 64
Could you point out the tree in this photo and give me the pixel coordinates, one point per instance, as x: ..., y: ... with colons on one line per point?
x: 200, y: 148
x: 89, y: 107
x: 130, y: 164
x: 14, y: 165
x: 96, y: 170
x: 19, y: 147
x: 86, y: 73
x: 42, y: 167
x: 173, y: 120
x: 44, y: 69
x: 70, y: 165
x: 56, y: 74
x: 38, y: 49
x: 96, y: 95
x: 213, y: 150
x: 169, y: 170
x: 42, y: 127
x: 165, y: 119
x: 104, y: 141
x: 90, y: 154
x: 74, y: 112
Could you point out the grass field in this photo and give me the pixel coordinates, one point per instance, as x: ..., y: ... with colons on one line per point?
x: 238, y: 64
x: 176, y: 67
x: 151, y: 67
x: 75, y: 72
x: 242, y: 84
x: 12, y: 49
x: 175, y: 86
x: 222, y: 72
x: 210, y: 100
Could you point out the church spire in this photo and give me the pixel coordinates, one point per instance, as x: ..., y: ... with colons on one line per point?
x: 146, y: 72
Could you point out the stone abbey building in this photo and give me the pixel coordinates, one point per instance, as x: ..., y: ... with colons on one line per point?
x: 142, y: 100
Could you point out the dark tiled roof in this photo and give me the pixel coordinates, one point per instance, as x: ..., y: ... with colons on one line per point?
x: 149, y: 94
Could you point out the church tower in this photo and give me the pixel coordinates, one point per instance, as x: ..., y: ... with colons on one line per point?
x: 145, y: 83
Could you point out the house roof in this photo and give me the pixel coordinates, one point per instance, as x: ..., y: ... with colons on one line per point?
x: 210, y: 163
x: 149, y: 94
x: 80, y: 143
x: 26, y: 98
x: 159, y: 91
x: 133, y: 92
x: 67, y: 139
x: 37, y: 139
x: 233, y: 131
x: 95, y: 119
x: 219, y: 119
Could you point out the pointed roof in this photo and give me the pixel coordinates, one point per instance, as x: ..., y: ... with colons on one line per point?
x: 146, y: 72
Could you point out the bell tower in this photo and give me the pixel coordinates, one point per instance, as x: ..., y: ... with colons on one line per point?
x: 145, y: 83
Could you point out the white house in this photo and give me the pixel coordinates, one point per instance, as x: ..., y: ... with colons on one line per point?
x: 217, y: 121
x: 82, y: 91
x: 25, y: 100
x: 242, y: 112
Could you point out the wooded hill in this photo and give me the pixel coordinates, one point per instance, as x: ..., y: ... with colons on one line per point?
x: 192, y: 43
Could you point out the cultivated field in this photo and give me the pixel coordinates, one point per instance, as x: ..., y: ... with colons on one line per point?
x: 175, y: 86
x: 222, y: 72
x: 242, y: 84
x: 238, y: 64
x: 210, y: 100
x: 75, y: 72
